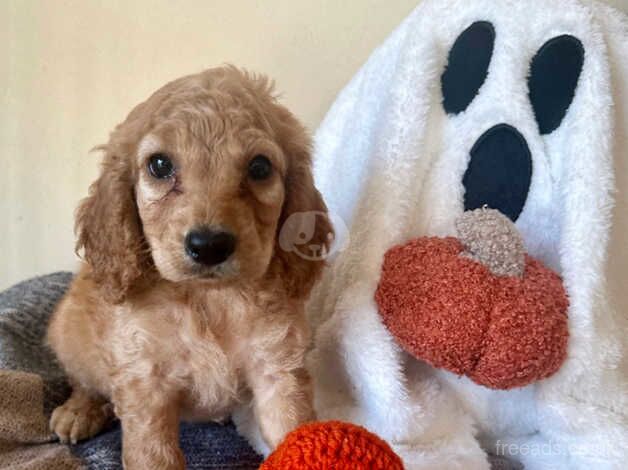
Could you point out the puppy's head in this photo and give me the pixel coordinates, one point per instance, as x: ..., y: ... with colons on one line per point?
x: 196, y: 184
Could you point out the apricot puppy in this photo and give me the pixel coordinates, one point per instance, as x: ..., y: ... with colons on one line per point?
x: 187, y: 306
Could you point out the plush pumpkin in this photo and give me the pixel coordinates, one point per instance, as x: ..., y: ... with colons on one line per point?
x: 476, y: 305
x: 332, y: 445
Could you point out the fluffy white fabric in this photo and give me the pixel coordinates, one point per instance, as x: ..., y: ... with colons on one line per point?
x: 390, y: 162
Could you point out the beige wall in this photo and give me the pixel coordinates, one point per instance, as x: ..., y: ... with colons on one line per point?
x: 71, y: 69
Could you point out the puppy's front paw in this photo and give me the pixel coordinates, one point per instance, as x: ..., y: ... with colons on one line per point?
x: 73, y: 421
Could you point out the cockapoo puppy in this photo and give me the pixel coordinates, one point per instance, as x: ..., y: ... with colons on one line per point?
x: 187, y: 306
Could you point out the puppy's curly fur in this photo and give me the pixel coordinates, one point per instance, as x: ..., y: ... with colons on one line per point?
x: 146, y: 328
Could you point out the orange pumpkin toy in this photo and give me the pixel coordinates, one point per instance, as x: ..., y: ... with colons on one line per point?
x: 477, y: 305
x: 332, y: 445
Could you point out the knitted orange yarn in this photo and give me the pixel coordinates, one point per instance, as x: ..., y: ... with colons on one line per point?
x: 332, y: 445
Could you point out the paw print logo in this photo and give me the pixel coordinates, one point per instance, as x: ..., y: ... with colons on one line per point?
x: 298, y: 234
x: 499, y: 171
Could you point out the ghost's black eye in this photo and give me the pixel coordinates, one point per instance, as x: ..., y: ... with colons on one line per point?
x: 554, y: 75
x: 260, y: 168
x: 467, y: 66
x: 160, y: 166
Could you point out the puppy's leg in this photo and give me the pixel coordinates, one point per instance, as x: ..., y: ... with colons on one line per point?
x: 82, y: 416
x: 73, y: 334
x: 282, y: 400
x: 150, y: 427
x: 282, y: 390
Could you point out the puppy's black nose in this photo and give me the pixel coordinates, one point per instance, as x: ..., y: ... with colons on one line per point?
x: 209, y: 247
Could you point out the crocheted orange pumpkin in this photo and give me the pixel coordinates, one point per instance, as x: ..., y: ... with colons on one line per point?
x: 332, y: 445
x: 476, y: 305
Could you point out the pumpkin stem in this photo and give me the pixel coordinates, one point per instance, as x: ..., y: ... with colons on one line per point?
x: 492, y: 239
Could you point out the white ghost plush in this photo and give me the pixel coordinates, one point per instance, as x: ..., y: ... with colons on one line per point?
x: 521, y: 105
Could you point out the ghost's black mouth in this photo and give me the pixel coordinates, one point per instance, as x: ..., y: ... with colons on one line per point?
x: 499, y: 172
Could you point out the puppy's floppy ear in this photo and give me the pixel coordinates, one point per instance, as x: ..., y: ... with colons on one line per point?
x: 109, y: 229
x: 302, y: 202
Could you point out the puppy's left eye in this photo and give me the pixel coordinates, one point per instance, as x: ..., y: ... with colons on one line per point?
x: 260, y: 168
x: 160, y: 166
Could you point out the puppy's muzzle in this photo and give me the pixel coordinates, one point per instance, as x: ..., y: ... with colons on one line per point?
x: 209, y: 247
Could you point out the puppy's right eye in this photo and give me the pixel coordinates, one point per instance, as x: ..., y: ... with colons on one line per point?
x: 260, y: 168
x: 160, y: 166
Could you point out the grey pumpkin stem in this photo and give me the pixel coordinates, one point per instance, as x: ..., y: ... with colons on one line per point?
x: 491, y: 238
